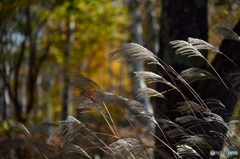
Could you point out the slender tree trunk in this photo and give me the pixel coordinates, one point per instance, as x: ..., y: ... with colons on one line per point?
x: 136, y: 34
x: 66, y: 89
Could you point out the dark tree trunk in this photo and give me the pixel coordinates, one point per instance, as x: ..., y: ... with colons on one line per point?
x: 180, y: 19
x: 177, y: 22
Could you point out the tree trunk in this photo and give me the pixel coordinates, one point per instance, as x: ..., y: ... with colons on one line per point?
x: 68, y: 48
x: 180, y: 19
x: 136, y: 37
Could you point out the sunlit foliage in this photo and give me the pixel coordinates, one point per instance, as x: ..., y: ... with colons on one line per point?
x: 43, y: 42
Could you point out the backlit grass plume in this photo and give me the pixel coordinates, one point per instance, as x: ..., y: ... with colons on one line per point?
x: 226, y: 33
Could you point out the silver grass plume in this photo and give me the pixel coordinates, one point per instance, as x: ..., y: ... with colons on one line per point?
x: 213, y: 101
x: 167, y: 123
x: 82, y: 83
x: 20, y: 127
x: 70, y: 132
x: 139, y: 110
x: 150, y: 77
x: 186, y: 119
x: 175, y: 132
x: 190, y: 107
x: 83, y: 102
x: 171, y: 128
x: 201, y: 44
x: 135, y: 107
x: 218, y: 134
x: 185, y: 150
x: 212, y: 117
x: 128, y: 148
x: 189, y: 121
x: 148, y: 92
x: 226, y: 33
x: 133, y: 52
x: 87, y: 92
x: 77, y: 149
x: 185, y: 48
x: 195, y: 140
x: 65, y: 134
x: 191, y: 75
x: 109, y: 97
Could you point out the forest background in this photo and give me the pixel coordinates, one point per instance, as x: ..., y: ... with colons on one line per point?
x: 43, y: 43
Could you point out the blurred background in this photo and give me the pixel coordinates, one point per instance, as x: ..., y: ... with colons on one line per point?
x: 43, y: 43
